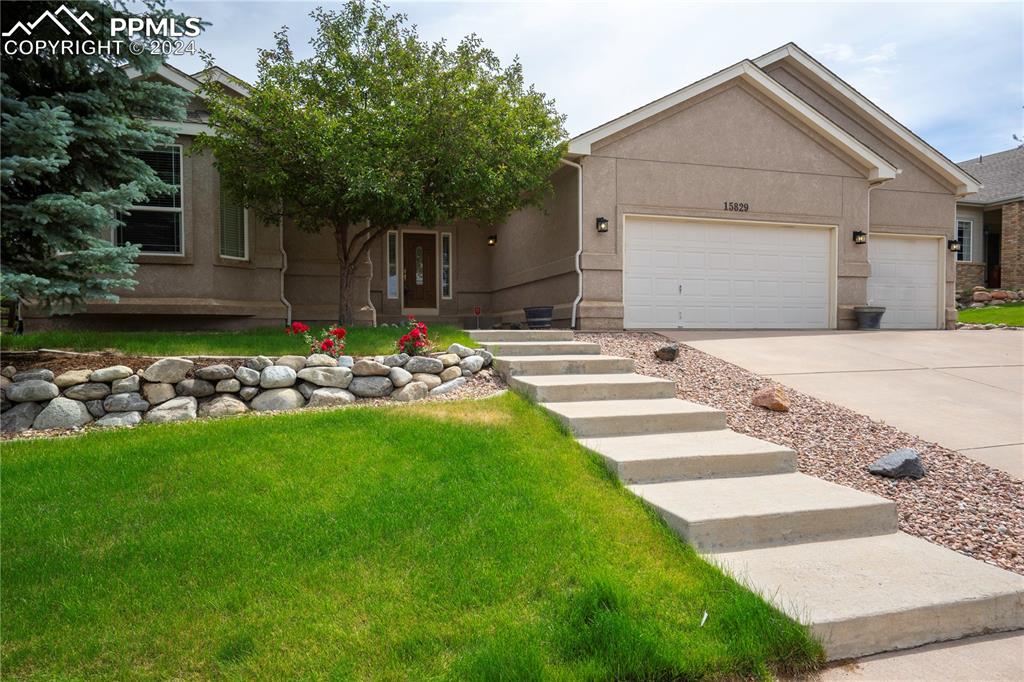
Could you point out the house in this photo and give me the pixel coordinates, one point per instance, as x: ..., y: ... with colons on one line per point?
x: 989, y: 224
x: 770, y: 194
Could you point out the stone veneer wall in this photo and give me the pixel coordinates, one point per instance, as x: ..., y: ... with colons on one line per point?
x: 1012, y: 246
x: 969, y: 275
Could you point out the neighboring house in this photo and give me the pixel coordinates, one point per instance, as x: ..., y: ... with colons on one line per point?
x: 989, y: 224
x: 739, y: 201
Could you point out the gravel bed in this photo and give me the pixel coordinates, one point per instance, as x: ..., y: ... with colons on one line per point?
x: 961, y: 504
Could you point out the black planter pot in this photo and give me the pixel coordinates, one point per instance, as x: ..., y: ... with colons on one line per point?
x: 869, y: 316
x: 539, y: 317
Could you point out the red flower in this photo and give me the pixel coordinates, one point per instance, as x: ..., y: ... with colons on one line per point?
x: 412, y: 318
x: 420, y: 344
x: 415, y: 333
x: 338, y: 332
x: 327, y: 344
x: 297, y: 328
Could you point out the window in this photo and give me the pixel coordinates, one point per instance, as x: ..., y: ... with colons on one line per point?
x: 446, y: 265
x: 392, y: 264
x: 963, y: 235
x: 157, y: 226
x: 419, y: 265
x: 234, y: 228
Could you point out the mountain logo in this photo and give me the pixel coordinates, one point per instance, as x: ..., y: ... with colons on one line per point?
x: 69, y: 16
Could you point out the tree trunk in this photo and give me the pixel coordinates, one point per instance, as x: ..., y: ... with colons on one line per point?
x: 346, y: 270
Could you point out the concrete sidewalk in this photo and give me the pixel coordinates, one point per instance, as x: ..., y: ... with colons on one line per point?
x: 962, y: 389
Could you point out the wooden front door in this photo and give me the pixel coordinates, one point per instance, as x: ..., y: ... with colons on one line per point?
x: 419, y: 270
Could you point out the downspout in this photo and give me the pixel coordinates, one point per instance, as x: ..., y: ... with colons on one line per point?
x: 284, y: 268
x: 579, y: 239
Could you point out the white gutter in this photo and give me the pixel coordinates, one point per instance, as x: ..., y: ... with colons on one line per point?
x: 579, y: 239
x: 284, y: 269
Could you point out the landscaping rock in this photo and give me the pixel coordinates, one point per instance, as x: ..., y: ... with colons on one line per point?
x: 448, y: 386
x: 278, y: 399
x: 450, y: 373
x: 421, y: 364
x: 62, y: 413
x: 321, y: 360
x: 277, y: 376
x: 399, y: 377
x: 125, y: 402
x: 89, y: 391
x: 474, y: 363
x: 330, y: 397
x: 431, y: 380
x: 33, y: 390
x: 668, y: 352
x: 370, y: 368
x: 981, y: 296
x: 9, y: 371
x: 110, y: 374
x: 335, y: 377
x: 345, y: 361
x: 248, y: 376
x: 772, y: 398
x: 396, y: 360
x: 127, y: 385
x: 158, y: 393
x: 305, y: 388
x: 258, y: 363
x: 222, y: 406
x: 248, y: 392
x: 95, y: 408
x: 197, y: 388
x: 415, y: 390
x: 487, y: 355
x: 215, y: 372
x: 228, y: 386
x: 1001, y: 295
x: 371, y: 387
x: 33, y: 375
x: 120, y: 420
x: 460, y: 350
x: 19, y: 417
x: 449, y: 359
x: 296, y: 362
x: 168, y: 370
x: 72, y: 378
x: 467, y: 373
x: 902, y: 463
x: 174, y: 410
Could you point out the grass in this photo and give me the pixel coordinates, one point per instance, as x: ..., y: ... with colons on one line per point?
x: 360, y: 341
x: 1011, y: 314
x: 460, y: 540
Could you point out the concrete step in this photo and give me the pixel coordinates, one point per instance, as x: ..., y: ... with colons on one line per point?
x: 690, y: 455
x: 867, y: 595
x: 517, y: 348
x: 562, y: 364
x: 724, y: 514
x: 574, y: 387
x: 517, y: 335
x: 623, y: 417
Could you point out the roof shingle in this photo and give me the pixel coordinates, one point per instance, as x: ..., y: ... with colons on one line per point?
x: 1002, y: 175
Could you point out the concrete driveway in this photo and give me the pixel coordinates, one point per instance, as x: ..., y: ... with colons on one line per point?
x: 962, y: 389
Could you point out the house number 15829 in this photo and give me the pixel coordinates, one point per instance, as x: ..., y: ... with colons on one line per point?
x: 735, y: 206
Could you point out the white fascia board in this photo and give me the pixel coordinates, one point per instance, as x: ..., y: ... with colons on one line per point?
x: 965, y: 184
x: 183, y: 127
x: 182, y: 80
x: 879, y: 169
x: 219, y: 75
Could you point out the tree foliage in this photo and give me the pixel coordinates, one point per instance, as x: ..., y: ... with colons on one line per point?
x: 379, y: 128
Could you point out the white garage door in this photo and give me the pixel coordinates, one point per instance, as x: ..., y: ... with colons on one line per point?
x: 905, y: 279
x: 718, y: 275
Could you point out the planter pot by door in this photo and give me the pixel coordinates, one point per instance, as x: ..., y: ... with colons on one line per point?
x: 869, y: 316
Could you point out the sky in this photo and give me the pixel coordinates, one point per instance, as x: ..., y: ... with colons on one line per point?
x: 951, y: 72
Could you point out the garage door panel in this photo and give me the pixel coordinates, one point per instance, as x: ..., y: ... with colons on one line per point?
x: 905, y: 279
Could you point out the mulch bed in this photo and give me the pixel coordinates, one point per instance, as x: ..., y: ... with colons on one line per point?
x: 63, y: 362
x: 961, y: 504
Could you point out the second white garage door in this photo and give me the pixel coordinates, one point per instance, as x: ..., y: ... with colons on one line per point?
x: 722, y: 275
x: 905, y: 279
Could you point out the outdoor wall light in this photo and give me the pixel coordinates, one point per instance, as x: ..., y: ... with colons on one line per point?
x: 954, y: 245
x: 492, y: 240
x: 602, y: 224
x: 860, y: 237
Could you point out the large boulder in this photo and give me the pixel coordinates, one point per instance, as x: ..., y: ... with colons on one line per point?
x: 1000, y: 295
x: 247, y: 376
x: 321, y: 360
x: 460, y: 350
x: 197, y: 388
x: 63, y: 413
x: 296, y: 362
x: 414, y: 390
x: 215, y: 373
x: 168, y: 370
x: 278, y: 399
x: 429, y: 380
x: 335, y: 377
x: 174, y: 410
x: 33, y: 375
x: 424, y: 365
x: 258, y: 363
x: 31, y: 391
x: 9, y: 371
x: 72, y: 377
x: 111, y: 374
x: 487, y: 355
x: 396, y: 360
x: 399, y: 377
x: 158, y: 393
x: 120, y: 419
x: 981, y: 297
x: 902, y: 463
x: 277, y: 376
x: 222, y: 406
x: 19, y: 417
x: 474, y: 363
x: 125, y: 402
x: 345, y: 361
x: 371, y: 387
x: 88, y: 391
x: 370, y: 368
x: 330, y: 397
x: 127, y: 385
x: 448, y: 386
x: 772, y: 398
x: 450, y: 373
x: 449, y: 359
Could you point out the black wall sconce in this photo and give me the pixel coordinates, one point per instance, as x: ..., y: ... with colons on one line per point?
x: 602, y: 224
x: 860, y: 237
x: 954, y: 245
x: 492, y: 240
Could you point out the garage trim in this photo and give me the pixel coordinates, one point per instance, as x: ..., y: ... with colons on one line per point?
x: 940, y: 245
x: 833, y: 257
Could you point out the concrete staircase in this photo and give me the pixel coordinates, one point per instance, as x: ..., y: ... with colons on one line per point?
x: 828, y: 555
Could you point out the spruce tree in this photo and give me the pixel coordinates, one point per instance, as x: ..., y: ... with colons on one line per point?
x: 68, y: 172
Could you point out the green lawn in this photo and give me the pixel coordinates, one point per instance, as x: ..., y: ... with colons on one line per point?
x: 460, y: 540
x: 360, y: 341
x: 1009, y: 313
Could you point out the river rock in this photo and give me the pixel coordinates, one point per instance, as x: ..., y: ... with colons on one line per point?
x: 248, y: 376
x: 125, y: 402
x: 414, y: 390
x: 474, y: 363
x: 33, y: 375
x: 448, y: 386
x: 296, y: 362
x: 127, y: 385
x: 330, y: 396
x: 278, y: 399
x: 248, y: 392
x: 449, y: 359
x: 158, y: 393
x: 321, y: 360
x: 450, y: 373
x: 421, y: 364
x: 197, y: 388
x: 120, y: 420
x: 305, y: 388
x: 110, y: 374
x: 487, y: 355
x: 174, y: 410
x: 31, y: 391
x: 222, y: 406
x: 277, y: 376
x: 335, y: 377
x: 168, y: 370
x: 95, y: 408
x: 62, y: 413
x: 431, y: 380
x: 9, y: 371
x: 215, y: 373
x: 89, y: 391
x: 345, y: 361
x: 371, y: 387
x: 370, y: 368
x: 19, y: 417
x: 460, y: 350
x: 668, y: 352
x: 399, y: 377
x: 72, y: 378
x: 231, y: 385
x: 396, y: 360
x: 258, y: 363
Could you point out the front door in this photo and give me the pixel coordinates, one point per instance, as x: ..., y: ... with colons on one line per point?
x: 993, y: 278
x: 419, y: 270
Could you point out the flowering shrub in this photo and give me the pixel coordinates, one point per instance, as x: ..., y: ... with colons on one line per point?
x: 329, y: 341
x: 415, y: 341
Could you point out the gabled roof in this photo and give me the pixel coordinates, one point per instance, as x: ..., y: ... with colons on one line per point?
x: 962, y: 180
x: 171, y: 75
x: 1002, y: 173
x: 216, y: 74
x: 878, y: 168
x: 194, y: 82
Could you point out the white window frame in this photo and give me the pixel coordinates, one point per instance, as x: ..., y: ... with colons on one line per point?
x: 964, y: 255
x: 245, y: 232
x: 450, y: 238
x: 168, y: 209
x: 391, y: 257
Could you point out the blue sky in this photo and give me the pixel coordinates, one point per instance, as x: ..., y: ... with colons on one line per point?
x: 952, y: 72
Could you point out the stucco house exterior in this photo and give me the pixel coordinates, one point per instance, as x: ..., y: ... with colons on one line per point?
x: 770, y: 194
x: 990, y: 225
